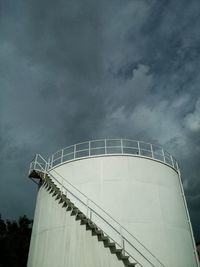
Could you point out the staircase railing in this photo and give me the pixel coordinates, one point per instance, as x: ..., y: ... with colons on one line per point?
x: 116, y: 232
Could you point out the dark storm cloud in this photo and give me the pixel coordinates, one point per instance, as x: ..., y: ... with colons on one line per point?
x: 73, y: 71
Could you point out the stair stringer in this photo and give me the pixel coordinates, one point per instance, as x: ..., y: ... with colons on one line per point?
x: 58, y: 240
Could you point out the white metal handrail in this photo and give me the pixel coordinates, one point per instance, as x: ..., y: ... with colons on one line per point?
x: 112, y: 147
x: 125, y: 239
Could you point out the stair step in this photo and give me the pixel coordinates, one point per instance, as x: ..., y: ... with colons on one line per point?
x: 130, y: 264
x: 66, y: 201
x: 34, y: 174
x: 118, y: 251
x: 74, y: 211
x: 58, y: 195
x: 56, y: 191
x: 70, y: 206
x: 63, y: 198
x: 40, y: 174
x: 110, y: 244
x: 80, y: 216
x: 52, y: 189
x: 49, y: 187
x: 46, y: 184
x: 51, y: 184
x: 98, y: 231
x: 123, y: 257
x: 90, y: 225
x: 47, y: 179
x: 64, y: 205
x: 60, y: 200
x: 84, y: 221
x: 103, y: 238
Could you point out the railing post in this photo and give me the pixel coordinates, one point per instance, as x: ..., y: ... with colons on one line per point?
x: 172, y: 161
x: 122, y: 240
x: 105, y: 146
x: 139, y: 150
x: 177, y: 166
x: 45, y: 169
x: 30, y: 167
x: 52, y: 160
x: 122, y: 150
x: 163, y: 154
x: 74, y: 151
x: 87, y: 204
x: 123, y: 246
x: 152, y: 151
x: 49, y: 160
x: 36, y: 156
x: 46, y: 166
x: 89, y: 148
x: 61, y: 159
x: 121, y: 237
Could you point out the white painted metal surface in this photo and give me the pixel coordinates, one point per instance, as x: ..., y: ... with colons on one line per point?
x: 58, y: 240
x: 143, y: 193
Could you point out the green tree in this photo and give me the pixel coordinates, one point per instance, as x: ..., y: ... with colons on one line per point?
x: 14, y: 242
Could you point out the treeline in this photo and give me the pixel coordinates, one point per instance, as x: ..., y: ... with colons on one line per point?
x: 14, y: 241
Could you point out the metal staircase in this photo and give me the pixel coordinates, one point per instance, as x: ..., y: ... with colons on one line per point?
x: 122, y: 243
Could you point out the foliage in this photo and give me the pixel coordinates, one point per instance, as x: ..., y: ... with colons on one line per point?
x: 14, y: 242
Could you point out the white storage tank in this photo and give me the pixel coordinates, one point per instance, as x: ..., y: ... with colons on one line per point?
x: 133, y: 193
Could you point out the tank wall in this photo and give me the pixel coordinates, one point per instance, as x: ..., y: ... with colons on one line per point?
x: 59, y: 240
x: 144, y: 196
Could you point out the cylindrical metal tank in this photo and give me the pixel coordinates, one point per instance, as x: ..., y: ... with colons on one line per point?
x: 135, y: 186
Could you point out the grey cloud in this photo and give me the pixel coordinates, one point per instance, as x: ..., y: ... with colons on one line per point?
x: 192, y: 120
x: 73, y: 71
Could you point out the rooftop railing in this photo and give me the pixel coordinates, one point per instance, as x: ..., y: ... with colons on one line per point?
x: 112, y: 147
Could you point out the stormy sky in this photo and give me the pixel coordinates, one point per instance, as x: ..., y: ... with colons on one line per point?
x: 73, y: 70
